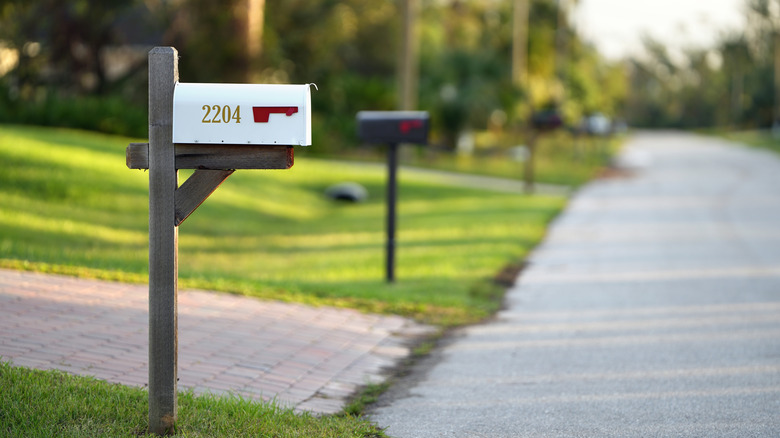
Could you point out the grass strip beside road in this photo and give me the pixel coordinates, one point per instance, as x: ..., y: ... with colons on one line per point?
x: 764, y: 139
x: 69, y: 205
x: 36, y: 403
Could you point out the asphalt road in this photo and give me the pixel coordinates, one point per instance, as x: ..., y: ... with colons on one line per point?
x: 652, y: 309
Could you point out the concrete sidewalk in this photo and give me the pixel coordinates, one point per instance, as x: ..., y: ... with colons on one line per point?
x: 652, y: 309
x: 311, y: 358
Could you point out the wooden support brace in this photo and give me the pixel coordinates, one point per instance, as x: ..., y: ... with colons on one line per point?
x: 196, y: 189
x: 217, y: 157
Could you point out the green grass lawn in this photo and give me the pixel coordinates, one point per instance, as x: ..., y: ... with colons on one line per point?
x: 69, y: 205
x: 560, y: 159
x: 54, y: 404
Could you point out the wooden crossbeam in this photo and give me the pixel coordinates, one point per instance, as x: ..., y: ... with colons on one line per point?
x: 217, y: 157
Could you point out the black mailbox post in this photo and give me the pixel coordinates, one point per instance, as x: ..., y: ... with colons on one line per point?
x: 392, y: 128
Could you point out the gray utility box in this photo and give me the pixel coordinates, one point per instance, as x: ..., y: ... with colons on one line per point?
x: 393, y: 127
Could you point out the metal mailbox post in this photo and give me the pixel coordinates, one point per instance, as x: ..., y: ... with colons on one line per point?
x: 215, y: 129
x: 392, y: 128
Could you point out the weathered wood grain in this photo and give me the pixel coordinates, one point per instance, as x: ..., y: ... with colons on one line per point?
x: 196, y: 189
x: 217, y: 157
x: 163, y: 243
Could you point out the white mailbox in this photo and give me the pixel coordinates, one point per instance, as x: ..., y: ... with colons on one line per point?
x: 258, y: 114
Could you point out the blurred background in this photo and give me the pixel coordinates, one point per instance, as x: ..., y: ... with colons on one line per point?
x: 481, y: 67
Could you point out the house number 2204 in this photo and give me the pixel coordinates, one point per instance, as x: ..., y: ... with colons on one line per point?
x: 220, y: 114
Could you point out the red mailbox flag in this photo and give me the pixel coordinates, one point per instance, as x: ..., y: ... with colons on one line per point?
x: 263, y: 113
x: 408, y: 125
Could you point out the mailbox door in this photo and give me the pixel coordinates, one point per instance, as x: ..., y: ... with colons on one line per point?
x: 258, y: 114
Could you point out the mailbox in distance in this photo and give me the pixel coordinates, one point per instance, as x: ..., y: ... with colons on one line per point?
x: 393, y: 126
x: 250, y: 114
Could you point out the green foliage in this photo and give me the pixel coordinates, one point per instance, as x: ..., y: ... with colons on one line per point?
x: 349, y: 48
x: 313, y: 40
x: 465, y: 68
x: 70, y: 205
x: 463, y: 89
x: 728, y: 85
x: 542, y: 27
x: 58, y: 74
x: 60, y: 43
x: 110, y: 114
x: 215, y: 36
x: 52, y: 403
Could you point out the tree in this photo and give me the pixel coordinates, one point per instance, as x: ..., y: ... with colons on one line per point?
x: 736, y: 83
x: 764, y: 16
x: 61, y: 43
x: 736, y: 58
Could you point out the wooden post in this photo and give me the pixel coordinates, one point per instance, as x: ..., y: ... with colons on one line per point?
x: 163, y: 243
x: 169, y: 205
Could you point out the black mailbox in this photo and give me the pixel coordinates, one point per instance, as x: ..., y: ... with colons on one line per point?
x: 547, y: 120
x: 393, y: 126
